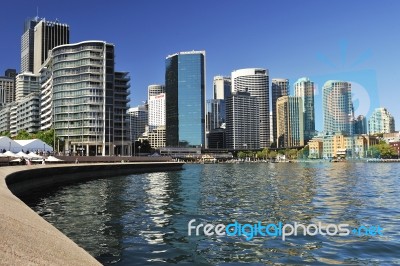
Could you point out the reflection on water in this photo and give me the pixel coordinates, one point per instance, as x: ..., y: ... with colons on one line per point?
x: 142, y: 219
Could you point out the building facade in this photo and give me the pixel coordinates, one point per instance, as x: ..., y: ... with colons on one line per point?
x: 25, y: 84
x: 121, y: 128
x: 26, y: 116
x: 396, y: 147
x: 7, y: 87
x: 279, y: 88
x: 46, y: 96
x: 290, y: 122
x: 47, y: 35
x: 5, y: 118
x: 304, y: 88
x: 221, y: 87
x: 138, y: 119
x: 155, y: 89
x: 156, y: 111
x: 242, y: 122
x: 360, y: 125
x: 89, y: 99
x: 315, y: 146
x: 216, y: 114
x: 185, y: 98
x: 345, y: 146
x: 337, y: 107
x: 27, y: 45
x: 156, y: 137
x: 256, y: 82
x: 381, y: 121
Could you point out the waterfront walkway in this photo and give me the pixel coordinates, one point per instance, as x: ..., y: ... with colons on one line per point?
x: 25, y: 237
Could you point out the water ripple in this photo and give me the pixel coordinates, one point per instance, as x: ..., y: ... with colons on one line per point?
x: 142, y: 219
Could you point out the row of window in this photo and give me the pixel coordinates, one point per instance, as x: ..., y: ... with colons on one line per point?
x: 76, y: 49
x: 85, y: 77
x: 83, y: 62
x: 66, y: 57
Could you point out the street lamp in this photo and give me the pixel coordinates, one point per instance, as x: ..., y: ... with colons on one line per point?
x: 139, y: 149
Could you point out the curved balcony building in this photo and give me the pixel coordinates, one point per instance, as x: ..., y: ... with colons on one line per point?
x: 89, y: 97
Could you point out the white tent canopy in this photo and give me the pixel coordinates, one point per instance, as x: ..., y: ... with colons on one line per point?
x: 9, y: 154
x: 34, y: 145
x: 53, y: 159
x: 9, y: 145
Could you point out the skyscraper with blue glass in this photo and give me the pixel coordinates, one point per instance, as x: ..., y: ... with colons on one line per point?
x: 185, y: 99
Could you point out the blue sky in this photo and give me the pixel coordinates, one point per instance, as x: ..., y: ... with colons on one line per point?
x: 352, y: 40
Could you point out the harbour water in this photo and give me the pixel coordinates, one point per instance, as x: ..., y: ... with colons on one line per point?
x: 143, y: 219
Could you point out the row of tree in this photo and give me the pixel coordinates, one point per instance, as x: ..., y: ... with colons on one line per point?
x: 381, y: 150
x: 266, y: 154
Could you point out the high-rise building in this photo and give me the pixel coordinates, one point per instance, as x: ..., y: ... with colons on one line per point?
x: 24, y: 114
x: 304, y: 88
x: 27, y: 44
x: 216, y: 114
x: 10, y: 73
x: 185, y: 88
x: 337, y: 107
x: 7, y: 87
x: 242, y: 121
x: 256, y: 82
x: 5, y: 113
x: 46, y: 96
x: 221, y: 87
x: 156, y: 105
x: 47, y: 35
x: 89, y: 98
x: 155, y: 89
x: 360, y: 125
x: 27, y: 115
x: 120, y: 106
x: 25, y: 84
x: 279, y: 88
x: 217, y: 139
x: 138, y: 118
x: 290, y: 122
x: 381, y: 121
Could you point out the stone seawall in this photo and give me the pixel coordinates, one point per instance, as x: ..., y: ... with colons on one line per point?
x: 25, y: 237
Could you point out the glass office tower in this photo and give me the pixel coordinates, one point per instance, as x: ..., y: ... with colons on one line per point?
x: 185, y: 99
x: 337, y: 107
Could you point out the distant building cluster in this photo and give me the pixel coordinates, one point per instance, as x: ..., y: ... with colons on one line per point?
x: 74, y: 89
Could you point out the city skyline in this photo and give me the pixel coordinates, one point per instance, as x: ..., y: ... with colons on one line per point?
x: 303, y: 48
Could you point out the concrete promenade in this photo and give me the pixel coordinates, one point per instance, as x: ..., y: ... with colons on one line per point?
x: 25, y: 237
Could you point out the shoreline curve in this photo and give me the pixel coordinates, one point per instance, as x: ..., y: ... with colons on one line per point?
x: 28, y: 239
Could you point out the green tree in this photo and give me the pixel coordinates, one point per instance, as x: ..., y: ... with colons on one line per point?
x: 272, y: 154
x: 46, y: 136
x: 144, y: 145
x: 304, y: 152
x: 241, y: 155
x: 6, y: 134
x: 382, y: 150
x: 292, y: 154
x: 22, y: 134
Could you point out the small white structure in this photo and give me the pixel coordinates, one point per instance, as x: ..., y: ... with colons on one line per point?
x: 34, y: 145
